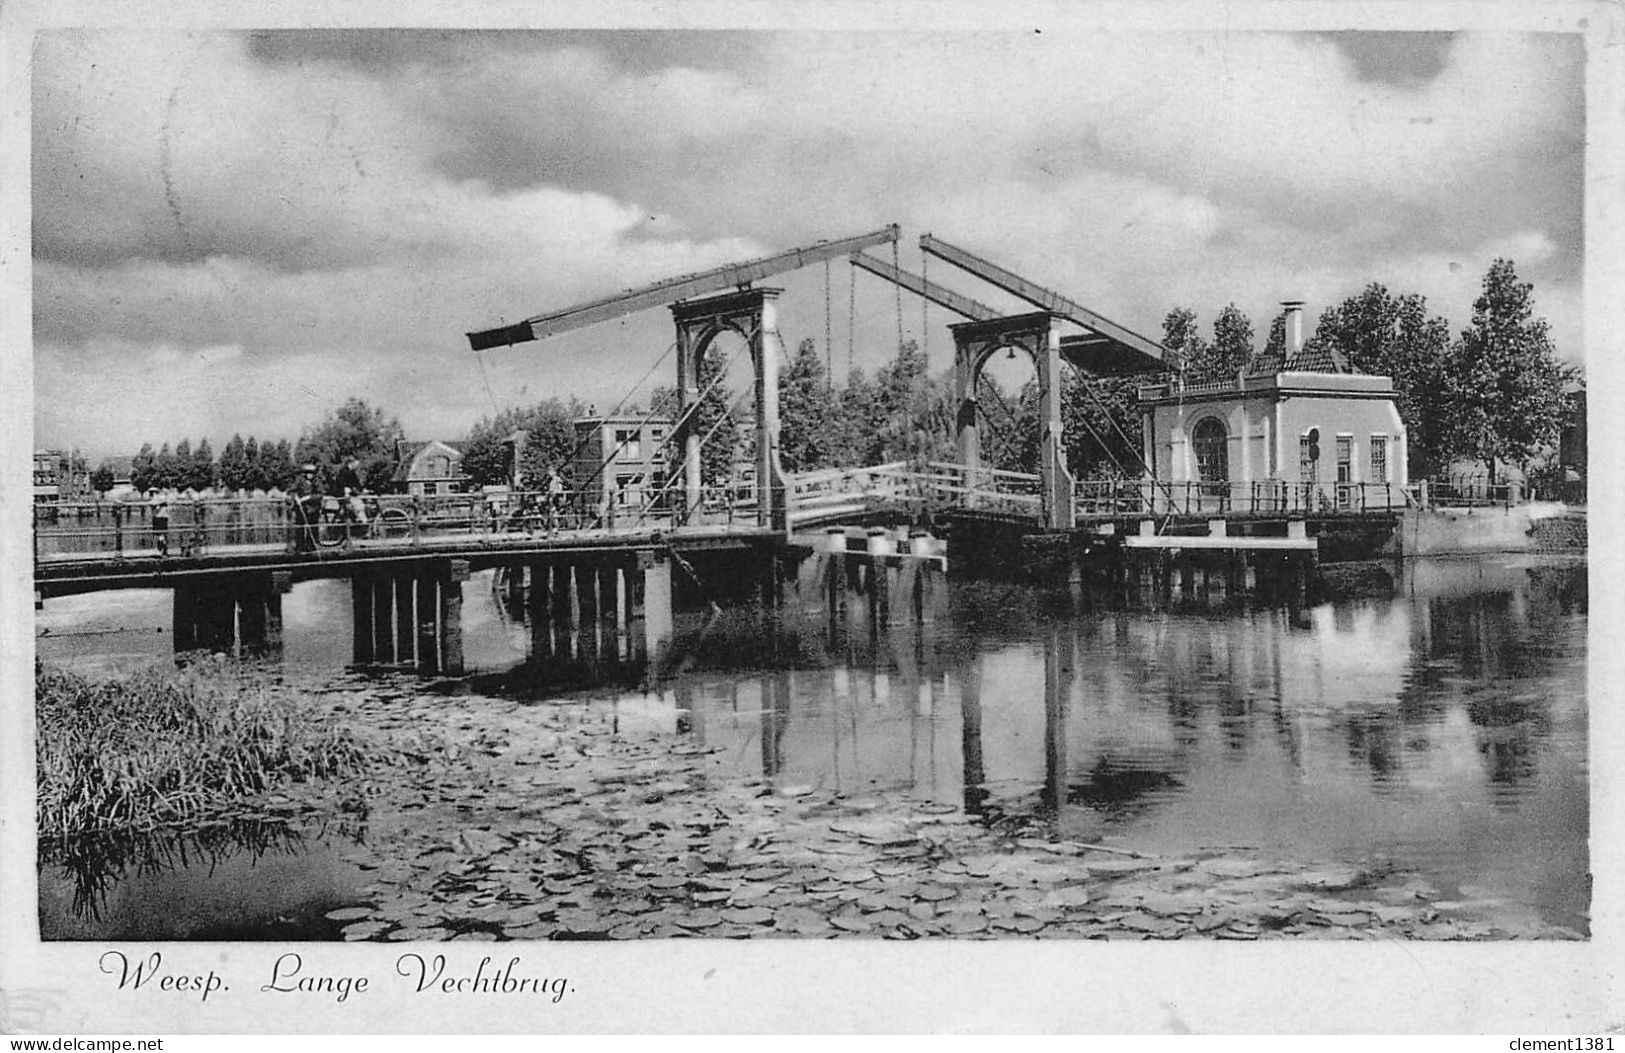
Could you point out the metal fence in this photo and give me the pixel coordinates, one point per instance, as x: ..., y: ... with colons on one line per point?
x: 210, y: 524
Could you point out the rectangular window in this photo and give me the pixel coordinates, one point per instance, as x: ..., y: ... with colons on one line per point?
x: 1307, y: 465
x: 627, y: 440
x: 1345, y: 471
x: 1379, y: 458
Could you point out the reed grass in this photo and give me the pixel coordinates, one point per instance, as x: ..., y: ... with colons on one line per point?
x: 160, y: 748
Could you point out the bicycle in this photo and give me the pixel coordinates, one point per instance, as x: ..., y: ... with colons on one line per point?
x: 336, y: 523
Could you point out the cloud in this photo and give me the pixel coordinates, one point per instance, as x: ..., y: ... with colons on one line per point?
x: 364, y: 199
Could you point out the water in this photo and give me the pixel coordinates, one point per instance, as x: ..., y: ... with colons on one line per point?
x: 1442, y: 728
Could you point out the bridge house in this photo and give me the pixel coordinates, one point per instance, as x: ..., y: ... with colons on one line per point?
x: 1301, y: 431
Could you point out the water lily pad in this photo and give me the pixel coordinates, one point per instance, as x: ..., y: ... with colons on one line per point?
x: 700, y: 919
x: 351, y: 913
x: 364, y: 930
x: 851, y: 922
x: 414, y: 933
x: 963, y: 924
x: 1110, y: 868
x: 935, y: 893
x: 748, y: 915
x: 1336, y: 879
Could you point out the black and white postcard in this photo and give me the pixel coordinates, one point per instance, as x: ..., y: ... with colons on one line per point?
x: 823, y: 517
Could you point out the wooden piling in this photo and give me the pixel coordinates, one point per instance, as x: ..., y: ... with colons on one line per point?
x: 428, y: 605
x: 451, y: 617
x: 405, y: 619
x: 361, y: 619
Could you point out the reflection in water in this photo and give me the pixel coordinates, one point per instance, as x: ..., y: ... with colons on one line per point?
x: 96, y: 863
x: 1443, y: 727
x: 127, y: 886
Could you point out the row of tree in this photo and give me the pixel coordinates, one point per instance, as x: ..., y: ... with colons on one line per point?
x: 1494, y: 394
x: 355, y: 440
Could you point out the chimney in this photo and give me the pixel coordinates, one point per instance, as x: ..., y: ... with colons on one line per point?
x: 1294, y: 327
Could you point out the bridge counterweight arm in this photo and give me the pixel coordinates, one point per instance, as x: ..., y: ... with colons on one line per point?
x: 673, y: 289
x: 1043, y: 298
x: 924, y: 287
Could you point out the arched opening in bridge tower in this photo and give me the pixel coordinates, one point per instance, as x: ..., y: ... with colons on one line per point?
x: 1007, y: 417
x: 725, y: 421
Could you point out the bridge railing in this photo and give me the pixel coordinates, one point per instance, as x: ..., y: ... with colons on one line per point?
x: 983, y: 489
x: 843, y: 491
x: 216, y: 524
x: 1108, y: 498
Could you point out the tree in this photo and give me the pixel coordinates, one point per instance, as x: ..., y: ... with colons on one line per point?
x: 168, y: 464
x: 910, y: 424
x: 1504, y: 376
x: 101, y: 480
x: 236, y: 471
x: 549, y: 442
x: 1274, y: 354
x: 274, y: 467
x: 1101, y: 426
x: 1232, y: 346
x: 806, y: 412
x: 859, y: 419
x: 200, y: 474
x: 143, y: 469
x: 1187, y: 350
x: 355, y: 431
x: 253, y: 479
x: 1395, y: 336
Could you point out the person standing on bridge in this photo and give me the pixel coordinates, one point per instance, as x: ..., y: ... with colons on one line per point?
x: 306, y: 508
x: 160, y: 522
x: 555, y: 499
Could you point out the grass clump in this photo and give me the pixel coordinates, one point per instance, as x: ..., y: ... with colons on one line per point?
x: 159, y: 748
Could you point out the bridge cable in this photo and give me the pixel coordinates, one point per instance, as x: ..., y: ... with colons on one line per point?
x: 1007, y: 435
x: 480, y: 358
x: 851, y: 319
x: 582, y: 442
x: 829, y: 348
x: 1160, y: 484
x: 721, y: 374
x: 649, y: 502
x: 925, y: 307
x: 897, y: 290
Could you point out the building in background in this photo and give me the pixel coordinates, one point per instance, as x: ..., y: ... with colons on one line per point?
x: 431, y: 468
x: 1304, y: 428
x: 621, y: 460
x: 47, y: 475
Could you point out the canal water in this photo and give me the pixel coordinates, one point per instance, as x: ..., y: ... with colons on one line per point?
x: 1441, y: 727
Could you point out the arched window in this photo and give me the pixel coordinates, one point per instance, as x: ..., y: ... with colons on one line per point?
x: 1212, y: 447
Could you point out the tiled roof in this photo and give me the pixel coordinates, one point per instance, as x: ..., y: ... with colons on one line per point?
x: 1317, y: 358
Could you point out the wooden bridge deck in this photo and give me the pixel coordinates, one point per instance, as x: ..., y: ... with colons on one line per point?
x: 108, y: 545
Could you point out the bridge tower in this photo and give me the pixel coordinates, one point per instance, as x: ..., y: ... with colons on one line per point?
x: 753, y: 315
x: 1039, y: 335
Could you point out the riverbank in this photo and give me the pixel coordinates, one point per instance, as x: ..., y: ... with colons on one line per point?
x: 543, y: 821
x: 161, y: 748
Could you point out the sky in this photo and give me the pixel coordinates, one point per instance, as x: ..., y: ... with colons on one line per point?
x: 235, y: 231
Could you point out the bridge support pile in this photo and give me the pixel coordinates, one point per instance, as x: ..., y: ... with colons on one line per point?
x: 873, y: 578
x: 239, y: 616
